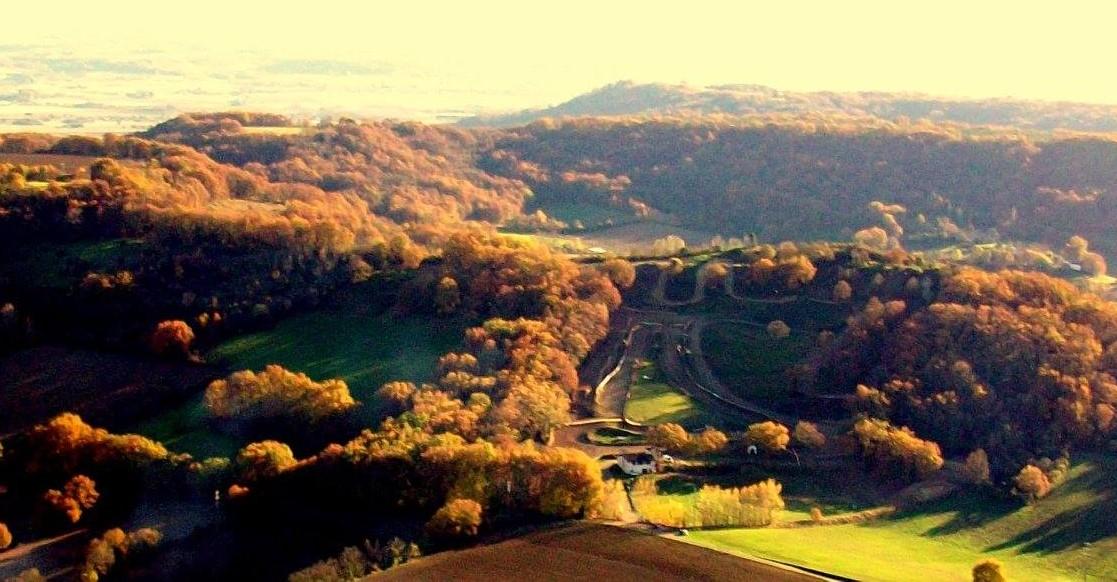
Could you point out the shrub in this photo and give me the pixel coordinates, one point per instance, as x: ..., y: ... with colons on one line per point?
x: 614, y: 501
x: 447, y: 296
x: 710, y: 440
x: 755, y: 505
x: 976, y: 469
x: 897, y: 448
x: 620, y: 272
x: 172, y: 338
x: 276, y: 393
x: 263, y: 460
x: 989, y: 570
x: 768, y: 435
x: 77, y: 495
x: 1031, y: 484
x: 457, y: 519
x: 816, y: 514
x: 808, y: 435
x: 114, y: 546
x: 778, y: 329
x: 668, y: 436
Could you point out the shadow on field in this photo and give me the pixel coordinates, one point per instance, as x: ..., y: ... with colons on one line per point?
x: 1076, y: 526
x: 1079, y: 511
x: 970, y: 511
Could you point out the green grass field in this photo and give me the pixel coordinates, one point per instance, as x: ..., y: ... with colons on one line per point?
x: 590, y: 215
x: 364, y: 350
x: 348, y: 341
x: 62, y: 265
x: 801, y: 314
x: 943, y: 540
x: 752, y: 363
x: 610, y: 436
x: 652, y: 401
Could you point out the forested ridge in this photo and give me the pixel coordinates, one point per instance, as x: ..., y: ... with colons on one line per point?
x: 231, y: 245
x: 818, y: 176
x: 1017, y: 364
x: 202, y: 250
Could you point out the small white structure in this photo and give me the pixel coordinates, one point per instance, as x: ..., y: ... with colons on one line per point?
x: 637, y: 464
x: 596, y: 251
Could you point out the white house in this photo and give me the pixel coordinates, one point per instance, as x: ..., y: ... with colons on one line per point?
x: 637, y: 464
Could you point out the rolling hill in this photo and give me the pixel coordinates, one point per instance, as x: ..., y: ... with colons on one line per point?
x: 629, y: 98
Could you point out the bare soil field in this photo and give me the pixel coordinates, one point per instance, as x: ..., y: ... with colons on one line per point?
x: 591, y: 552
x: 106, y: 389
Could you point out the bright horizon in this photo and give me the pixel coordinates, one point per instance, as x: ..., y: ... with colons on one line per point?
x: 950, y: 49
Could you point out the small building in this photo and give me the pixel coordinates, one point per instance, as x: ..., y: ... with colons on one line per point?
x: 637, y: 464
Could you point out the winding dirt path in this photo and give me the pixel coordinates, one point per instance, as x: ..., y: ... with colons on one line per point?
x: 659, y: 294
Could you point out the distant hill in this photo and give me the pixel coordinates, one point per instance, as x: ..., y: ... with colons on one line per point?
x: 628, y: 98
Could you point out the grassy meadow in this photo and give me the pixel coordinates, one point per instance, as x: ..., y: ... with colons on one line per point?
x: 651, y: 400
x: 1067, y: 536
x: 351, y: 341
x: 52, y: 265
x: 752, y: 363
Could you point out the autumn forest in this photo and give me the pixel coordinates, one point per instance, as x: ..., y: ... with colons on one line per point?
x: 249, y: 346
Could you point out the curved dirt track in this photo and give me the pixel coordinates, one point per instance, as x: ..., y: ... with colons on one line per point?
x: 633, y: 335
x: 636, y: 332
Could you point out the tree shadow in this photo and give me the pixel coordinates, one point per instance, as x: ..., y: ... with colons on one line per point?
x: 676, y: 485
x: 1080, y: 511
x: 1074, y: 527
x: 970, y: 509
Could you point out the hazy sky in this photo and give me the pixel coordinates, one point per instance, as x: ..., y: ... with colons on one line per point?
x: 1048, y: 50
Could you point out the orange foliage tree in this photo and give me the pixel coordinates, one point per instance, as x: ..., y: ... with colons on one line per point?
x: 172, y: 338
x: 77, y: 495
x: 458, y: 518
